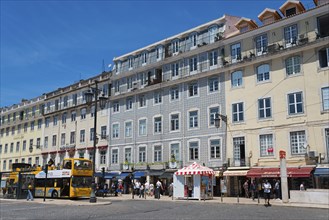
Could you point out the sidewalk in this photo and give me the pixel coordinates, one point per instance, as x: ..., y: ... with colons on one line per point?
x: 225, y: 200
x: 124, y: 197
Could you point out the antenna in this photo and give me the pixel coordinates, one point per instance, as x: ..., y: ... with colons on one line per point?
x: 103, y: 66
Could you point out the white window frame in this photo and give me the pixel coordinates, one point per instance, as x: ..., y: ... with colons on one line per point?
x: 239, y: 113
x: 264, y: 109
x: 115, y: 160
x: 115, y: 131
x: 128, y: 129
x: 235, y: 52
x: 261, y: 44
x: 157, y: 153
x: 142, y: 155
x: 293, y: 65
x: 176, y: 152
x: 266, y: 145
x: 142, y: 130
x: 157, y: 126
x: 295, y: 103
x: 157, y: 98
x: 194, y: 153
x: 193, y: 89
x: 213, y: 84
x: 174, y: 94
x: 298, y: 142
x: 219, y: 147
x: 263, y: 73
x: 174, y: 124
x: 325, y: 98
x: 193, y: 121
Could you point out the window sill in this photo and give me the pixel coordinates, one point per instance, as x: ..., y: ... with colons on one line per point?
x: 323, y: 69
x: 324, y: 112
x: 296, y: 115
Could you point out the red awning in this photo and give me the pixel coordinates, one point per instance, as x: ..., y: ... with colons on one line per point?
x: 44, y: 153
x: 271, y: 172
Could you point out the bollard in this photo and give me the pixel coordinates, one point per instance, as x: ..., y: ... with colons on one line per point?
x: 221, y: 197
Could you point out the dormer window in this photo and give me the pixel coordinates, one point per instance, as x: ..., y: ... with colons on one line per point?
x: 175, y: 46
x: 290, y: 11
x: 194, y: 40
x: 212, y: 33
x: 244, y: 29
x: 291, y: 7
x: 130, y: 63
x: 144, y: 58
x: 158, y: 53
x: 268, y: 16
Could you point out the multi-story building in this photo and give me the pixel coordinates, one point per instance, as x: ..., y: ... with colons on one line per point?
x: 269, y: 84
x: 164, y: 101
x: 21, y: 133
x: 69, y: 123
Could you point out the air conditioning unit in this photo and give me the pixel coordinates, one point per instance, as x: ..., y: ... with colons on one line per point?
x: 313, y: 154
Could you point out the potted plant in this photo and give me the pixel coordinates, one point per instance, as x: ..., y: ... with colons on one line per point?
x: 172, y: 162
x: 126, y: 165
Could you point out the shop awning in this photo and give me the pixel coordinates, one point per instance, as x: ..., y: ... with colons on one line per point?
x: 167, y: 175
x: 274, y: 172
x: 235, y: 173
x: 139, y: 174
x: 321, y: 172
x: 195, y: 169
x: 155, y: 172
x: 122, y: 176
x: 110, y: 175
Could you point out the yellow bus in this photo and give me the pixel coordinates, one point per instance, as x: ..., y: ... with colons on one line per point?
x: 73, y: 180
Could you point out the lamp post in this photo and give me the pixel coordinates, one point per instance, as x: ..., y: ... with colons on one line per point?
x: 89, y: 95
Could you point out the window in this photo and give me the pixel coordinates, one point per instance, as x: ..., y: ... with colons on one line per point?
x: 4, y: 165
x: 174, y: 151
x: 103, y: 132
x: 129, y: 82
x: 128, y: 129
x: 324, y: 57
x: 39, y: 123
x: 174, y: 122
x: 157, y: 153
x: 17, y: 146
x: 215, y: 152
x: 263, y: 73
x: 295, y: 103
x: 72, y: 137
x: 32, y: 126
x: 266, y: 145
x: 83, y: 113
x: 290, y: 11
x: 92, y: 134
x: 115, y: 156
x: 102, y: 157
x: 64, y: 116
x: 130, y: 62
x: 63, y: 139
x: 144, y: 58
x: 12, y: 146
x: 213, y: 84
x: 193, y: 119
x: 157, y: 97
x: 325, y: 98
x: 31, y: 144
x: 46, y: 142
x: 212, y: 115
x: 24, y: 146
x: 193, y: 89
x: 142, y: 101
x: 115, y: 131
x: 174, y: 93
x: 213, y: 55
x: 65, y: 102
x: 92, y: 111
x: 73, y: 115
x: 175, y: 70
x: 117, y: 86
x: 157, y: 125
x: 25, y: 128
x: 158, y: 51
x: 237, y: 111
x: 236, y: 79
x: 142, y: 154
x: 128, y: 154
x: 6, y: 148
x: 13, y: 130
x: 290, y: 35
x: 55, y: 120
x: 0, y: 148
x: 293, y: 65
x: 194, y: 150
x: 142, y: 127
x: 264, y: 108
x: 212, y: 33
x: 193, y: 64
x: 297, y: 142
x: 239, y: 150
x: 75, y: 99
x: 82, y: 136
x: 129, y: 103
x: 175, y: 46
x: 235, y: 52
x: 54, y: 140
x: 261, y: 44
x: 116, y: 107
x: 37, y: 161
x: 38, y: 142
x: 143, y: 79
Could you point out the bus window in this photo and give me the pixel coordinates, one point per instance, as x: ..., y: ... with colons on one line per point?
x: 68, y: 165
x: 81, y: 181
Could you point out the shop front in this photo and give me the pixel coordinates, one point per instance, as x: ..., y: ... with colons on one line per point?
x: 321, y: 176
x: 234, y: 181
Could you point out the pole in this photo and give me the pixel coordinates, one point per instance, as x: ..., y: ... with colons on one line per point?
x: 44, y: 191
x: 284, y: 179
x: 93, y: 198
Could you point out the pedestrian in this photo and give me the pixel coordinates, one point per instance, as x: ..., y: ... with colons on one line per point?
x: 277, y: 190
x: 120, y: 188
x: 253, y: 189
x: 302, y: 187
x: 246, y: 189
x: 151, y: 189
x: 141, y: 194
x: 158, y: 189
x: 267, y: 192
x: 171, y: 189
x: 137, y: 187
x: 146, y: 188
x: 29, y: 192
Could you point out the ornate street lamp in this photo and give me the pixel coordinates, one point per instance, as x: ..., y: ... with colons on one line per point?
x: 218, y: 118
x: 92, y: 97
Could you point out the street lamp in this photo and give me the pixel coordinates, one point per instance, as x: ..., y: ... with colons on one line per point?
x: 89, y: 95
x: 218, y: 118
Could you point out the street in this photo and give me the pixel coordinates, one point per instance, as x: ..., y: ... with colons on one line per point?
x: 153, y: 209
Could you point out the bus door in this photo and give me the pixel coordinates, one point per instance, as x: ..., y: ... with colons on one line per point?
x: 65, y: 190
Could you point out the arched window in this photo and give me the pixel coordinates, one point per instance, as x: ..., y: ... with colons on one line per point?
x: 236, y: 78
x: 263, y: 72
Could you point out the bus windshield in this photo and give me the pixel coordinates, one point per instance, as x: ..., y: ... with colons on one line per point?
x: 81, y: 181
x: 82, y: 165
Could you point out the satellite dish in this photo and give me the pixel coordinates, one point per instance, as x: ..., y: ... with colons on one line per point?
x: 109, y: 65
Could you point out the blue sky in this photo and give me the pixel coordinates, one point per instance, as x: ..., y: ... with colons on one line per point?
x: 46, y: 45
